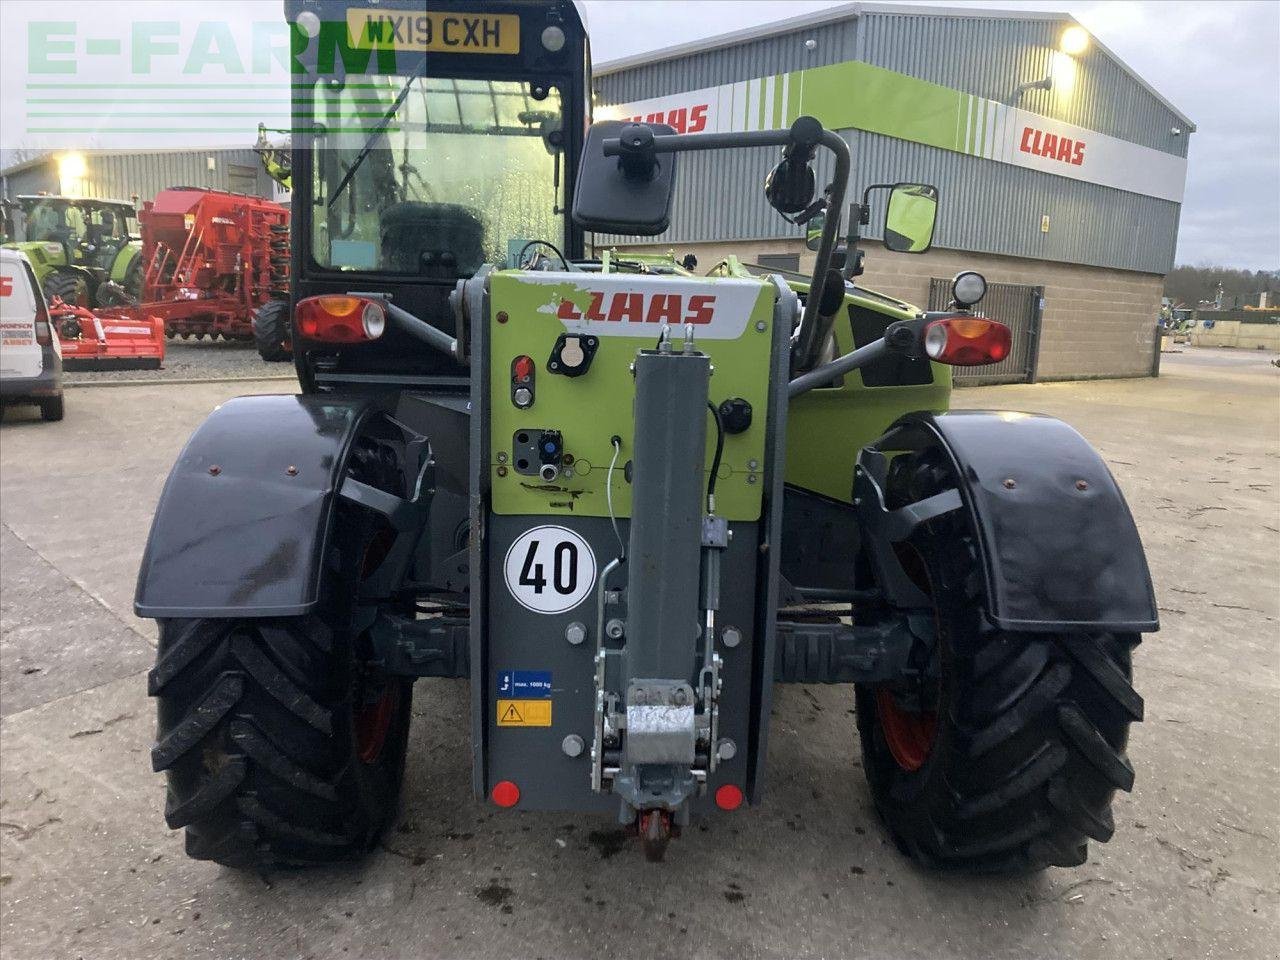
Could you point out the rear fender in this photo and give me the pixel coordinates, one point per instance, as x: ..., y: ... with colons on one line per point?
x: 1058, y: 547
x: 120, y: 266
x: 244, y: 518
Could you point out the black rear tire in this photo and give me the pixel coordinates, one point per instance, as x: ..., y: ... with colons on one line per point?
x: 68, y: 285
x: 264, y: 733
x: 1019, y: 741
x: 133, y: 279
x: 271, y: 331
x: 52, y: 409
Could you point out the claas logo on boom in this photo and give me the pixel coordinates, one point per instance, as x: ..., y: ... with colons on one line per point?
x: 670, y: 308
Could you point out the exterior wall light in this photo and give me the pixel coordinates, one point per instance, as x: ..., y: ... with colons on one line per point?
x: 71, y: 173
x: 1074, y: 41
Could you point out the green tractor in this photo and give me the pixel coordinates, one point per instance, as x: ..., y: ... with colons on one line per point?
x: 620, y: 500
x: 84, y: 251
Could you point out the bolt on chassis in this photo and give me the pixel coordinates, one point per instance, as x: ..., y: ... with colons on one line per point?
x: 621, y: 500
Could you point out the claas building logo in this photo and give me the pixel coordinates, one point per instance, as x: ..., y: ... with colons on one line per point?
x: 1041, y: 143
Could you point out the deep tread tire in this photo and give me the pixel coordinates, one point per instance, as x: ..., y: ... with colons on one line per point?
x: 1030, y: 738
x: 134, y: 275
x: 68, y: 285
x: 257, y: 737
x: 271, y: 331
x: 52, y: 410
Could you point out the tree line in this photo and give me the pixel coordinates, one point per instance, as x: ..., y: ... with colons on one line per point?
x: 1190, y: 286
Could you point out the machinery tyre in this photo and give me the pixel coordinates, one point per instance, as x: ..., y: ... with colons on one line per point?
x: 52, y: 409
x: 67, y: 284
x: 111, y: 294
x: 133, y: 279
x: 281, y: 745
x: 1007, y: 762
x: 271, y: 331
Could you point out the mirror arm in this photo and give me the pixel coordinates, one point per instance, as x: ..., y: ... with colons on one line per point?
x: 866, y: 200
x: 813, y: 327
x: 822, y: 376
x: 904, y: 337
x: 853, y: 256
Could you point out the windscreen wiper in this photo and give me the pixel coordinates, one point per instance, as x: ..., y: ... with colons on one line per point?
x: 368, y: 144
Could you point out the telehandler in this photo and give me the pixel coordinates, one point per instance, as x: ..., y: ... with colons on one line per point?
x: 620, y: 500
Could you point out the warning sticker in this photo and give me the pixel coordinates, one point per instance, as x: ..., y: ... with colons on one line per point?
x: 524, y: 713
x: 524, y: 683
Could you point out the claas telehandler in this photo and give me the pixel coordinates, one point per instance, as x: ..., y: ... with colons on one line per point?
x: 620, y: 500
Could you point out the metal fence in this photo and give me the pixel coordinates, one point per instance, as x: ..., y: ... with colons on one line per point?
x: 1020, y: 308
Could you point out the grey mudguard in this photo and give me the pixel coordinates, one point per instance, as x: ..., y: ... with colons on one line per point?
x: 242, y: 522
x: 1059, y: 548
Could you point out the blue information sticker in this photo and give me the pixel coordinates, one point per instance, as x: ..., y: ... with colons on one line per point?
x: 524, y: 684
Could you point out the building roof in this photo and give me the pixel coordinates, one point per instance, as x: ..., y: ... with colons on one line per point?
x: 86, y: 201
x: 51, y: 155
x: 852, y: 11
x: 22, y: 165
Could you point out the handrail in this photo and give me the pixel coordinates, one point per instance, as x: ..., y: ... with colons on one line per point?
x: 814, y: 328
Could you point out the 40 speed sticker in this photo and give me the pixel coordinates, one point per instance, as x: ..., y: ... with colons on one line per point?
x: 550, y: 569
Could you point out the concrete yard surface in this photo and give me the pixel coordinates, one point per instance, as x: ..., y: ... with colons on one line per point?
x: 88, y: 868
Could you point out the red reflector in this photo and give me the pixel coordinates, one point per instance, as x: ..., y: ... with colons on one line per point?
x: 506, y: 793
x: 728, y: 797
x: 340, y: 319
x: 522, y: 369
x: 967, y: 341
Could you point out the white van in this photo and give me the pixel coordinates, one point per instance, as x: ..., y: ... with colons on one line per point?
x: 30, y: 354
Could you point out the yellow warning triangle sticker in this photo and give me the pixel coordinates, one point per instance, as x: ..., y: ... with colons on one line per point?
x: 512, y: 715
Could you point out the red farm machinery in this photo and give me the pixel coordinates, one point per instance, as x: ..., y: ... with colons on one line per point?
x: 211, y: 260
x: 110, y: 338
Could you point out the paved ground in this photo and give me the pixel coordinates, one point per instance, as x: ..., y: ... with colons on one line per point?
x: 194, y: 360
x: 88, y: 869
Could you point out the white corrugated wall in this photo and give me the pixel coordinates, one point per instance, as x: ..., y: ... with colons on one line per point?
x: 986, y: 205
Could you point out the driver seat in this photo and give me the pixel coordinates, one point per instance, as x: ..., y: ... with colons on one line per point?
x: 437, y: 240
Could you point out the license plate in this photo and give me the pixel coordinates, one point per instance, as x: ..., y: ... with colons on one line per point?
x: 435, y: 32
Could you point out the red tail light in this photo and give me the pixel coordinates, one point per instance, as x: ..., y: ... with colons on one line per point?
x: 729, y: 797
x: 44, y: 335
x: 506, y: 793
x: 340, y: 318
x: 966, y: 341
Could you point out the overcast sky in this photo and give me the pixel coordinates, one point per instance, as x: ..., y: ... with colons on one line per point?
x: 1215, y: 61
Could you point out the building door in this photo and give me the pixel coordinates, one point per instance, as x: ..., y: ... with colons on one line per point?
x: 242, y: 179
x: 1016, y: 305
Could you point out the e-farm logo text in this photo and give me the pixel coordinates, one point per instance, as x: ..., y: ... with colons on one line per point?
x: 159, y: 83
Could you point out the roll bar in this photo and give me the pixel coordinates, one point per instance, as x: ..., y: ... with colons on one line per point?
x: 814, y: 328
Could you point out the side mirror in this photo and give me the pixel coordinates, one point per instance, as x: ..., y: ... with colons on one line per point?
x: 813, y: 231
x: 628, y: 193
x: 910, y: 218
